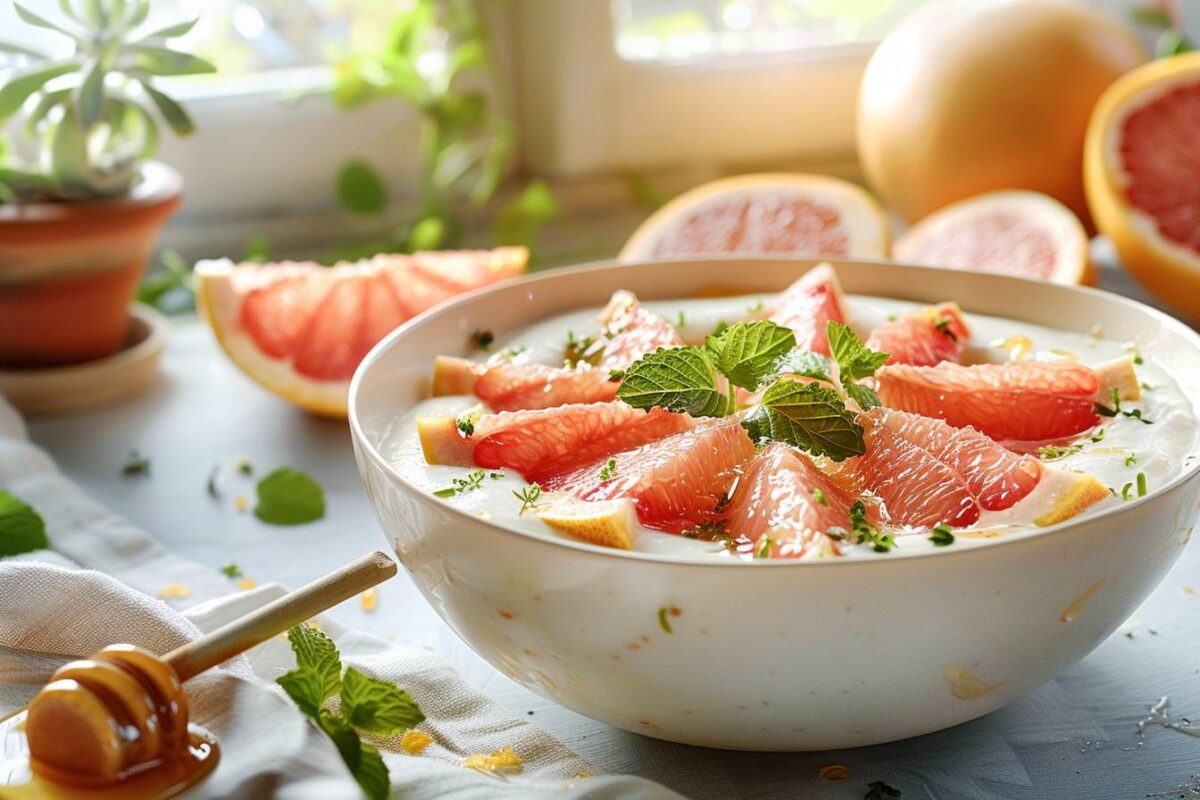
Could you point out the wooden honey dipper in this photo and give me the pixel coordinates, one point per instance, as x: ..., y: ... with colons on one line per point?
x: 123, y: 711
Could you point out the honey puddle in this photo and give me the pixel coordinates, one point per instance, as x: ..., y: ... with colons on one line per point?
x: 167, y: 779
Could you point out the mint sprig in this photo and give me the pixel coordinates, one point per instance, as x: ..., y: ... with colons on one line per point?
x: 367, y: 704
x: 681, y: 379
x: 811, y: 417
x: 854, y: 359
x: 749, y: 353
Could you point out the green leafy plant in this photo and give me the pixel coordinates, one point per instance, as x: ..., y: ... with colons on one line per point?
x: 436, y: 59
x: 1171, y: 39
x: 367, y: 705
x: 92, y: 117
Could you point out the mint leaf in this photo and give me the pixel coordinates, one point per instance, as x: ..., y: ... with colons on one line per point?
x: 866, y: 398
x: 362, y: 759
x: 748, y: 352
x: 22, y: 530
x: 854, y: 359
x: 306, y: 688
x: 677, y: 379
x: 811, y: 417
x: 289, y: 497
x: 806, y: 364
x: 377, y: 706
x: 316, y: 652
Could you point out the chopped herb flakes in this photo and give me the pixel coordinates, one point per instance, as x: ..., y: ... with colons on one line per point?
x: 941, y: 535
x: 819, y: 495
x: 609, y: 470
x: 755, y: 307
x: 231, y: 571
x: 1131, y: 459
x: 1114, y: 396
x: 577, y: 350
x: 943, y: 326
x: 465, y: 426
x: 244, y: 467
x: 1099, y: 435
x: 211, y: 485
x: 663, y: 622
x: 22, y: 530
x: 482, y: 339
x: 764, y: 548
x: 1141, y: 484
x: 137, y: 465
x: 529, y: 496
x: 289, y: 497
x: 1126, y: 490
x: 470, y: 483
x: 367, y: 705
x: 1051, y: 452
x: 866, y: 533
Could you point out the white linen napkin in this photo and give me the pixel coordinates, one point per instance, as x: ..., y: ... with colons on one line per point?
x: 92, y: 591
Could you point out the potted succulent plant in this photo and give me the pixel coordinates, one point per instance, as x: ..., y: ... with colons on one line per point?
x: 80, y: 204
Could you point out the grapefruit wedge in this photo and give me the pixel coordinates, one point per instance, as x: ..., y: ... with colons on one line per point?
x: 925, y: 337
x: 1021, y: 233
x: 629, y: 332
x: 544, y: 442
x: 301, y: 329
x: 808, y: 304
x: 804, y: 215
x: 1022, y: 401
x: 1142, y: 175
x: 676, y: 484
x: 784, y: 497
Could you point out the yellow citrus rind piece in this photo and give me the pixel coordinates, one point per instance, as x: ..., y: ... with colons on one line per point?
x: 1081, y: 490
x: 608, y: 523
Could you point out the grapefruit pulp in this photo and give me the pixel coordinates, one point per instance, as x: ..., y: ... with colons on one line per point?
x: 925, y: 337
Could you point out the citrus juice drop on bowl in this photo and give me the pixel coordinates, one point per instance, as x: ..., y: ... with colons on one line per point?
x: 684, y: 639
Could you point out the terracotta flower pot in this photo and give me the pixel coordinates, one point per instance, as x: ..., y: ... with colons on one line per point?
x: 69, y: 270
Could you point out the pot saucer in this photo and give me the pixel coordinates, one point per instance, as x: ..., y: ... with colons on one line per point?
x: 78, y: 387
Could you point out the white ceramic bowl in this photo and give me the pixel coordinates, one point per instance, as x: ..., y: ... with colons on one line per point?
x: 774, y: 655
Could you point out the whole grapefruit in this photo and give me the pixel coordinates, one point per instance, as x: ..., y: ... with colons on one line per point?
x: 965, y: 98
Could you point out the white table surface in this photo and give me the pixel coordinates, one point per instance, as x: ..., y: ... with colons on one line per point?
x: 1077, y: 737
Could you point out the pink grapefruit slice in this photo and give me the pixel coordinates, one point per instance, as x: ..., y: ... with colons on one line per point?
x: 1021, y: 233
x: 544, y: 442
x: 676, y: 484
x: 806, y: 215
x: 925, y: 337
x: 808, y: 304
x: 301, y: 329
x: 784, y: 497
x: 1020, y: 401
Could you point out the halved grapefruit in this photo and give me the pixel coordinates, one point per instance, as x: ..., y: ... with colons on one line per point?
x: 676, y: 484
x: 925, y: 337
x: 1142, y: 175
x: 629, y: 332
x: 544, y: 442
x: 808, y: 305
x: 1021, y: 233
x: 301, y: 329
x: 784, y: 497
x: 1020, y: 401
x: 804, y: 215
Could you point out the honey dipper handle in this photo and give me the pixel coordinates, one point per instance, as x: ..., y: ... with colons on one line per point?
x: 276, y: 617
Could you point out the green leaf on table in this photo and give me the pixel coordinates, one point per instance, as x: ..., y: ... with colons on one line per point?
x: 22, y: 530
x: 289, y: 497
x: 749, y: 352
x: 520, y: 219
x: 854, y: 359
x: 377, y: 706
x: 304, y: 687
x: 317, y: 653
x: 677, y: 379
x: 361, y: 758
x: 360, y: 189
x: 811, y: 417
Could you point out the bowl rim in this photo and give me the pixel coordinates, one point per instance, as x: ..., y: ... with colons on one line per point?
x: 451, y: 307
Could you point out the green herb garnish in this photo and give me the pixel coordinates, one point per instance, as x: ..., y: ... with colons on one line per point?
x: 1141, y: 484
x: 811, y: 417
x: 609, y: 470
x: 22, y: 530
x: 681, y: 321
x: 1099, y: 435
x: 210, y: 486
x: 755, y: 307
x: 137, y: 465
x: 866, y: 533
x: 854, y: 359
x: 482, y: 339
x: 1131, y: 459
x: 943, y: 326
x: 819, y: 495
x: 529, y: 496
x: 1114, y: 396
x: 244, y: 467
x: 465, y: 425
x: 231, y: 571
x: 941, y: 535
x: 749, y: 353
x: 1125, y: 490
x: 806, y: 364
x: 878, y: 790
x: 1051, y: 452
x: 663, y: 622
x: 764, y: 548
x: 681, y: 379
x: 367, y: 705
x: 472, y: 481
x: 289, y: 497
x: 578, y: 350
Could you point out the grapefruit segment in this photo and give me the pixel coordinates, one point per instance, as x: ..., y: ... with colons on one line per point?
x: 1024, y: 400
x: 1141, y: 174
x: 676, y: 484
x: 925, y: 337
x: 608, y: 523
x: 510, y: 387
x: 549, y: 441
x: 301, y: 329
x: 630, y: 332
x: 1027, y: 234
x: 784, y: 497
x: 808, y: 305
x: 805, y: 215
